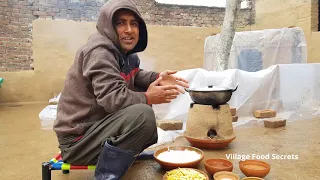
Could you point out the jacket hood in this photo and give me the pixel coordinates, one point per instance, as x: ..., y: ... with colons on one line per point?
x: 106, y: 28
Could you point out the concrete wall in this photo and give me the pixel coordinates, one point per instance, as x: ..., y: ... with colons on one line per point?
x: 54, y: 49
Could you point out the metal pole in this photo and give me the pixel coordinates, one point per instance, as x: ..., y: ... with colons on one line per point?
x: 46, y: 171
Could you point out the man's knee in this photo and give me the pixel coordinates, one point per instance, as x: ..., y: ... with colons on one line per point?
x: 146, y: 121
x: 144, y: 116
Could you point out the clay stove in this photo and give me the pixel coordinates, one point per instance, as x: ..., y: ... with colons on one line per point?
x: 209, y: 125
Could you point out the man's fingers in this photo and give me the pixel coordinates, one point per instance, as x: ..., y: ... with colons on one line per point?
x: 169, y: 72
x: 169, y: 87
x: 157, y: 81
x: 171, y: 97
x: 181, y: 90
x: 183, y: 84
x: 172, y: 93
x: 181, y: 79
x: 167, y: 101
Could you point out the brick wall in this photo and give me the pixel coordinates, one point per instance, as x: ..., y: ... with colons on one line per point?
x: 15, y: 35
x: 16, y: 18
x: 200, y: 16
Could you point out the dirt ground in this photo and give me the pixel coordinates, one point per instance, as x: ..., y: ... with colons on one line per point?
x: 25, y: 145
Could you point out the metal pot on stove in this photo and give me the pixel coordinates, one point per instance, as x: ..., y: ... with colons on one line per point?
x: 214, y: 96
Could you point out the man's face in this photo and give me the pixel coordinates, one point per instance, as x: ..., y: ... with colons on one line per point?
x: 127, y: 27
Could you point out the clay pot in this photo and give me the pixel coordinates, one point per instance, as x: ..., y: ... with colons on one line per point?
x: 209, y: 143
x: 252, y: 178
x: 254, y: 168
x: 225, y: 175
x: 165, y: 176
x: 216, y: 165
x: 170, y: 165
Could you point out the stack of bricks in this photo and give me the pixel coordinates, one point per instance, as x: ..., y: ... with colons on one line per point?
x: 270, y: 121
x: 234, y: 114
x: 170, y: 124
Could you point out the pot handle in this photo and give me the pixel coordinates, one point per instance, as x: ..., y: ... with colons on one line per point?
x: 235, y: 88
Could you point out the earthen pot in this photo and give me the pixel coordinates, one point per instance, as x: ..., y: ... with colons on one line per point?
x: 252, y: 178
x: 165, y: 176
x: 209, y: 143
x: 216, y: 165
x: 171, y: 165
x: 225, y: 175
x: 254, y: 168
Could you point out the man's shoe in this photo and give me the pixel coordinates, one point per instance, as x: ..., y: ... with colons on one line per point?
x: 113, y: 163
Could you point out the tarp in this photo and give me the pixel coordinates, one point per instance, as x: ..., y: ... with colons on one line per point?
x: 293, y: 90
x: 256, y: 50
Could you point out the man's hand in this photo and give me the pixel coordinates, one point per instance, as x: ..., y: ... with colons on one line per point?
x: 161, y: 94
x: 169, y: 79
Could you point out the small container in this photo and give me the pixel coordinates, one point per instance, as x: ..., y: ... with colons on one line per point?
x: 216, y: 165
x: 225, y: 175
x: 254, y: 168
x: 172, y: 165
x: 165, y: 176
x: 252, y: 178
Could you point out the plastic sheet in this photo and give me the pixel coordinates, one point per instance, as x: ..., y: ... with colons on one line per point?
x: 293, y: 90
x: 47, y: 116
x: 256, y: 50
x: 166, y: 137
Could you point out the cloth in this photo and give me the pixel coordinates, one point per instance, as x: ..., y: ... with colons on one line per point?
x: 132, y: 128
x: 102, y: 79
x: 256, y: 50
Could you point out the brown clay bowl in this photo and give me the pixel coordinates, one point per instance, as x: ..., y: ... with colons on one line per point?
x: 209, y: 143
x: 225, y: 175
x: 254, y: 168
x: 252, y: 178
x: 165, y: 176
x: 216, y: 165
x: 172, y: 165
